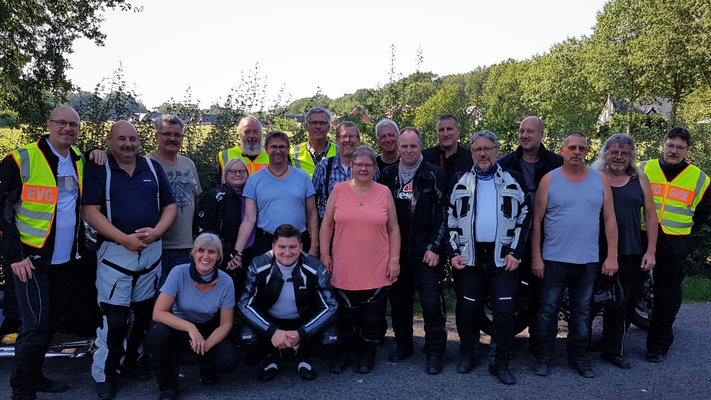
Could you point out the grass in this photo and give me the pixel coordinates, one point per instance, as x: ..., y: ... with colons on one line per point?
x: 696, y: 289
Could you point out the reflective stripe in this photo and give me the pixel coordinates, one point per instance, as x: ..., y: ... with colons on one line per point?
x: 700, y: 183
x: 26, y: 229
x: 224, y: 157
x: 674, y: 224
x: 44, y: 216
x: 678, y: 210
x: 295, y: 156
x: 24, y: 164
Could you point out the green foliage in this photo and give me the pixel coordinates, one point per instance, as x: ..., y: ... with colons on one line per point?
x: 8, y: 118
x: 647, y: 130
x: 301, y: 106
x: 448, y: 100
x: 696, y: 289
x: 36, y: 37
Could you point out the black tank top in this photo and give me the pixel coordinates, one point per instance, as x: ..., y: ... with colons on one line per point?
x: 629, y: 200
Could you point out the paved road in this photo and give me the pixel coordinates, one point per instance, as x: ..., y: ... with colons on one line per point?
x: 683, y: 375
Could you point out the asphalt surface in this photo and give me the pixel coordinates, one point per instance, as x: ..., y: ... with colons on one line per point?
x: 684, y: 374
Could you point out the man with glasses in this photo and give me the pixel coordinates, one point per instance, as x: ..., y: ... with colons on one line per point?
x: 308, y: 154
x: 448, y: 154
x: 488, y: 223
x: 183, y: 177
x: 679, y: 192
x: 250, y: 149
x: 41, y: 240
x: 333, y: 170
x: 567, y: 212
x: 418, y: 189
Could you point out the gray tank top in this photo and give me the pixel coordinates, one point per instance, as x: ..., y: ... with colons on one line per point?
x: 572, y: 221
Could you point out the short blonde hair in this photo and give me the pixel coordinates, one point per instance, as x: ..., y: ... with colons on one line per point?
x: 229, y: 165
x: 208, y: 241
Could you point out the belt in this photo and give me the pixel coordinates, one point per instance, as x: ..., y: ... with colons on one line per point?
x: 134, y: 274
x: 485, y: 249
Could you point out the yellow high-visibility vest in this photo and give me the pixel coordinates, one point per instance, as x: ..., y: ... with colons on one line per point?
x: 35, y: 210
x: 301, y: 157
x: 675, y: 201
x: 259, y: 163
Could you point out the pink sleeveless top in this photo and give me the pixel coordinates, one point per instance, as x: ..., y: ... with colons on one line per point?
x: 361, y: 246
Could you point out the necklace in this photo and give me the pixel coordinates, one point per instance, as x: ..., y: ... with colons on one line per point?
x: 275, y: 175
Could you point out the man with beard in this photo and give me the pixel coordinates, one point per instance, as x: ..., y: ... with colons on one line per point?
x: 386, y: 134
x: 333, y: 170
x: 250, y: 149
x: 679, y: 190
x: 183, y: 177
x: 130, y: 203
x: 567, y: 212
x: 307, y: 155
x: 449, y: 154
x: 419, y: 191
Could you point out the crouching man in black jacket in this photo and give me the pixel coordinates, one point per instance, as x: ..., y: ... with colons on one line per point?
x: 288, y: 301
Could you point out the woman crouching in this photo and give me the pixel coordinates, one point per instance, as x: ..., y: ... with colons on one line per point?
x: 195, y: 311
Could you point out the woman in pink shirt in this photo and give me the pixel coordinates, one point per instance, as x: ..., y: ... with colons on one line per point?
x: 363, y: 259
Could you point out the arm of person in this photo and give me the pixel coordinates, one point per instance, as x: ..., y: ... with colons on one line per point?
x: 312, y: 219
x: 227, y: 318
x: 245, y: 230
x: 650, y: 217
x: 326, y: 235
x: 609, y: 266
x: 439, y: 220
x: 98, y: 156
x: 537, y: 266
x: 167, y: 217
x: 453, y: 230
x: 92, y: 214
x: 10, y: 244
x: 162, y: 314
x: 523, y: 226
x: 394, y: 238
x: 318, y: 181
x: 325, y: 304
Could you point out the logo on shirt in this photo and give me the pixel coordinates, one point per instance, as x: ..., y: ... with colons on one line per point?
x: 405, y: 193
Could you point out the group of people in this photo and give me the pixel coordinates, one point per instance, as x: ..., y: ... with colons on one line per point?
x: 298, y: 249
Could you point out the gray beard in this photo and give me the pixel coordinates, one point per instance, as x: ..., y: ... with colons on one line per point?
x: 252, y: 150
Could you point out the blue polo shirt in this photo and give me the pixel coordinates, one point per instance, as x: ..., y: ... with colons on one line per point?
x: 133, y: 198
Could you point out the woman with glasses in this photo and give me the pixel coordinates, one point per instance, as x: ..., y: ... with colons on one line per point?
x: 276, y: 195
x: 360, y: 247
x: 221, y: 212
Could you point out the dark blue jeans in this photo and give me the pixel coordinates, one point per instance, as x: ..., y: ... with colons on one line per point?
x: 580, y: 280
x: 42, y: 302
x: 474, y: 285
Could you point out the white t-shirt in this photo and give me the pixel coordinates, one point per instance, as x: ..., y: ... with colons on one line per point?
x: 65, y: 220
x: 485, y: 222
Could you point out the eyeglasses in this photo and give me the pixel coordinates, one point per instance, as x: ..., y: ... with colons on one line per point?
x: 317, y: 123
x: 274, y: 147
x: 235, y: 172
x: 361, y: 166
x: 63, y: 124
x: 485, y: 150
x: 349, y: 137
x: 169, y: 135
x: 671, y: 147
x: 623, y: 154
x: 581, y: 149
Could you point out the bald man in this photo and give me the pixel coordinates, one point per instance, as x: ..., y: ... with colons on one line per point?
x: 130, y: 203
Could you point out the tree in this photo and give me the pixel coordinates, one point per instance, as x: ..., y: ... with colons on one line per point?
x: 618, y: 60
x: 36, y: 37
x: 448, y: 100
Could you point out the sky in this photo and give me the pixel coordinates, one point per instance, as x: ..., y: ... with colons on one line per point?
x: 205, y: 46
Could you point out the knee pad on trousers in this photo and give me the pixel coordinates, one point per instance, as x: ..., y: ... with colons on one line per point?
x: 250, y: 341
x: 326, y: 342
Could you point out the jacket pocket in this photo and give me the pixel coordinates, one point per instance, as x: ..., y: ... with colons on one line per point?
x: 461, y: 199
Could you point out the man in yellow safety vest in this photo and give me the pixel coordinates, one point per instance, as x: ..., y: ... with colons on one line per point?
x: 678, y: 189
x: 41, y: 235
x: 250, y: 149
x: 305, y: 156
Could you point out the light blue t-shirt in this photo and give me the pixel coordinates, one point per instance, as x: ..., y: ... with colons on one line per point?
x: 68, y: 193
x: 280, y: 202
x: 193, y: 305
